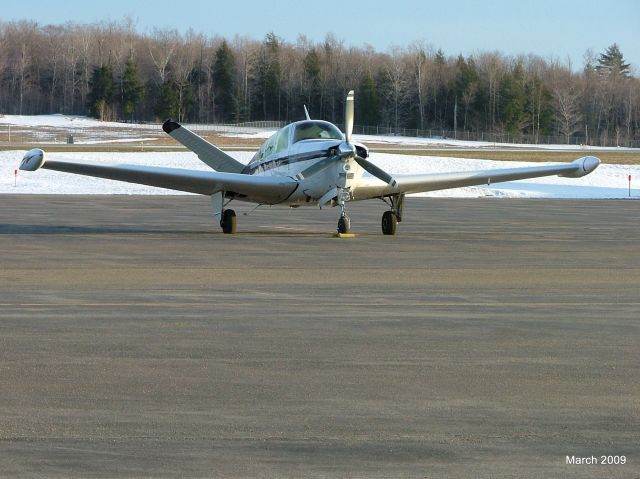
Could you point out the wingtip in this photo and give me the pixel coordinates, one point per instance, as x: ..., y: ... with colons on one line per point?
x: 582, y: 167
x: 170, y: 125
x: 591, y: 163
x: 33, y: 160
x: 588, y: 164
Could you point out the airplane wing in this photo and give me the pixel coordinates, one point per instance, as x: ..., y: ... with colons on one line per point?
x: 262, y: 189
x: 374, y: 188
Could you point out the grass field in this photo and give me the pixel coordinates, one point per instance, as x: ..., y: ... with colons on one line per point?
x: 621, y: 157
x: 125, y: 140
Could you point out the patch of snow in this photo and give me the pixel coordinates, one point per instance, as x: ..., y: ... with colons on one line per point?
x: 97, y: 127
x: 60, y: 121
x: 608, y: 181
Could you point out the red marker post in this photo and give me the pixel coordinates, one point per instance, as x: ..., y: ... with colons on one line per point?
x: 15, y: 177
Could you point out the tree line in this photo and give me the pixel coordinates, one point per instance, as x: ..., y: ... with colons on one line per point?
x: 113, y: 72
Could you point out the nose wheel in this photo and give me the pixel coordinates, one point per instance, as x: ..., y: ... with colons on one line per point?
x: 344, y: 224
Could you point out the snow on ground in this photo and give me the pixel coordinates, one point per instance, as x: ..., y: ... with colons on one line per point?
x: 70, y: 124
x: 452, y: 143
x: 608, y: 181
x: 59, y: 121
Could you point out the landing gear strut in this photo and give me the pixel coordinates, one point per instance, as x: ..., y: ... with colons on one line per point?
x: 228, y: 221
x: 390, y: 219
x: 344, y: 223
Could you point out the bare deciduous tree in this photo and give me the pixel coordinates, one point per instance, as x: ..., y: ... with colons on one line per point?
x: 48, y: 68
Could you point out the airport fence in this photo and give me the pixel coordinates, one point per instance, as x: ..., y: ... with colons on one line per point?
x: 498, y: 138
x: 127, y: 132
x: 119, y: 132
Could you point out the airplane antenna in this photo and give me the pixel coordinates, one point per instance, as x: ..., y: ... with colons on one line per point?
x: 306, y: 112
x: 247, y: 213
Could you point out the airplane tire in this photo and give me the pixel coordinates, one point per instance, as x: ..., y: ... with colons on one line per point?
x: 229, y: 222
x: 389, y: 223
x: 344, y: 224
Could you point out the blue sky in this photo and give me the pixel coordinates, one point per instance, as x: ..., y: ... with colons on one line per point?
x: 549, y: 28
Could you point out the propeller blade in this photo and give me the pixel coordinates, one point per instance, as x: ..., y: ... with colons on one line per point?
x: 348, y: 117
x: 315, y: 168
x: 375, y: 171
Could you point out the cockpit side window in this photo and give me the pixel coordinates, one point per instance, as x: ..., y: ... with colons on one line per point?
x: 316, y: 130
x: 283, y: 139
x: 278, y: 142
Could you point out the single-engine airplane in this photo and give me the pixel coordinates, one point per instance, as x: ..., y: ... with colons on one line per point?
x: 306, y: 163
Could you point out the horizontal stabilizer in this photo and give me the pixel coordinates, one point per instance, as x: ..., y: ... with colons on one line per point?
x: 209, y: 154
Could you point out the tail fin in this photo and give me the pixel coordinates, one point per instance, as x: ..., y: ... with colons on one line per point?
x: 208, y: 153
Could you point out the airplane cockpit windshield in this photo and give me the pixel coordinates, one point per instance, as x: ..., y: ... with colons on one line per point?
x: 316, y: 130
x: 278, y: 143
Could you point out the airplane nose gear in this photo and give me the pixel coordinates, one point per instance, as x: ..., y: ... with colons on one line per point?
x: 344, y: 223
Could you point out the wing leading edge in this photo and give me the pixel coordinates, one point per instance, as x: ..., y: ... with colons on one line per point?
x: 262, y: 189
x: 374, y: 188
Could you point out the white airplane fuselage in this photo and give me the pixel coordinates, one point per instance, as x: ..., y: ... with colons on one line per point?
x: 290, y: 161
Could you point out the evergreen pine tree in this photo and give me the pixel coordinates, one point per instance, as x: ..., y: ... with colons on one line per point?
x: 466, y: 85
x: 267, y: 92
x: 132, y: 89
x: 101, y: 92
x: 312, y: 70
x: 224, y: 83
x: 611, y: 63
x: 198, y: 88
x: 168, y: 105
x: 514, y: 100
x: 367, y: 99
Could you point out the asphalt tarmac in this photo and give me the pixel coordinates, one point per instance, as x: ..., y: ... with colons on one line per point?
x: 490, y: 338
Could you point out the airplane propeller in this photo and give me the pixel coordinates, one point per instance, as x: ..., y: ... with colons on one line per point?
x: 348, y: 149
x: 349, y: 114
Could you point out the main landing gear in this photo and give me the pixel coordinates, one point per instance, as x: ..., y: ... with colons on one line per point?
x: 389, y: 223
x: 228, y: 222
x: 391, y: 218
